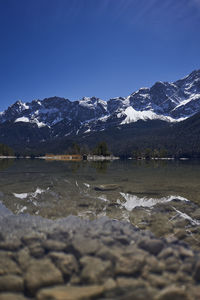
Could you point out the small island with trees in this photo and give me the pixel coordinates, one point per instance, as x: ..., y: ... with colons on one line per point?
x: 100, y: 152
x: 77, y: 153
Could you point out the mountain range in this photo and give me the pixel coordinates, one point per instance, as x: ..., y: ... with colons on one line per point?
x: 42, y: 122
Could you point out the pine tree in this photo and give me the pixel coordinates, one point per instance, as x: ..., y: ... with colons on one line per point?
x: 101, y: 149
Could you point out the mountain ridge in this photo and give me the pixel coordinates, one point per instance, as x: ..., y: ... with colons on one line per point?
x: 167, y: 101
x: 56, y: 118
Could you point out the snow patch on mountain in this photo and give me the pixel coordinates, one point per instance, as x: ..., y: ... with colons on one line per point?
x: 39, y: 124
x: 104, y: 119
x: 22, y: 119
x: 92, y: 103
x: 22, y: 106
x: 86, y: 103
x: 88, y: 130
x: 133, y: 115
x: 191, y: 98
x: 27, y: 120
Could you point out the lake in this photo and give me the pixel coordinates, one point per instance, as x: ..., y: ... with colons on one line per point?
x: 56, y: 189
x: 158, y: 195
x: 66, y: 229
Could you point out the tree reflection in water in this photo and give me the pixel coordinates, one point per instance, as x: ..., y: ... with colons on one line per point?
x: 100, y: 166
x: 5, y: 163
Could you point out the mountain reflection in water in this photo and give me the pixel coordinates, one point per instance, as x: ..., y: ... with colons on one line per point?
x: 157, y: 195
x: 57, y: 189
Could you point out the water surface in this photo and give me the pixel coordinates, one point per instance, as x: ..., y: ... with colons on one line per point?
x: 57, y: 189
x: 36, y: 231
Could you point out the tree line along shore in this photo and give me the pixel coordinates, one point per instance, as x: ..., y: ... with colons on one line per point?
x: 99, y: 152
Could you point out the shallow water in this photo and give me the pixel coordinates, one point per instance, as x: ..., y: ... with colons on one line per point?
x: 46, y: 247
x: 58, y: 189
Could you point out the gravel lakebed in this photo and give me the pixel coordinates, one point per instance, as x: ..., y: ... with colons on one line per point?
x: 72, y: 258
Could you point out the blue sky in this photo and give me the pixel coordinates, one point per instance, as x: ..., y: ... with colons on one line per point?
x: 103, y: 48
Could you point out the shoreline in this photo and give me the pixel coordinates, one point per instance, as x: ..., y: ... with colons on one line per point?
x: 101, y: 259
x: 96, y: 158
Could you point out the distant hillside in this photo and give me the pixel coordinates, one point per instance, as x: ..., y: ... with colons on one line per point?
x: 179, y: 139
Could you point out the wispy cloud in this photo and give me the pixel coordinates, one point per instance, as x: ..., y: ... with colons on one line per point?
x: 197, y: 2
x: 131, y: 12
x: 166, y: 13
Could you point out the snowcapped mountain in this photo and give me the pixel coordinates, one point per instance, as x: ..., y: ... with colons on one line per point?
x: 170, y: 102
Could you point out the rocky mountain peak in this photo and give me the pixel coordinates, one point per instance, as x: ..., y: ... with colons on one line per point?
x: 171, y: 102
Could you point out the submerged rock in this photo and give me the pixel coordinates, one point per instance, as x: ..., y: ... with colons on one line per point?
x: 103, y: 259
x: 12, y: 296
x: 66, y: 263
x: 41, y: 273
x: 106, y: 187
x: 130, y: 265
x: 197, y: 272
x: 11, y: 283
x: 71, y: 293
x: 84, y: 245
x: 94, y: 269
x: 36, y: 250
x: 153, y: 246
x: 54, y: 245
x: 173, y: 292
x: 8, y: 265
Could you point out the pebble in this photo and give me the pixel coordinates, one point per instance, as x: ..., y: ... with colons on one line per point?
x: 8, y: 265
x: 11, y: 283
x: 197, y: 272
x: 174, y: 293
x: 41, y: 273
x: 84, y: 245
x: 54, y: 245
x: 94, y: 269
x: 129, y: 266
x: 106, y: 187
x: 71, y: 293
x: 102, y: 259
x: 153, y: 246
x: 12, y: 296
x: 66, y: 263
